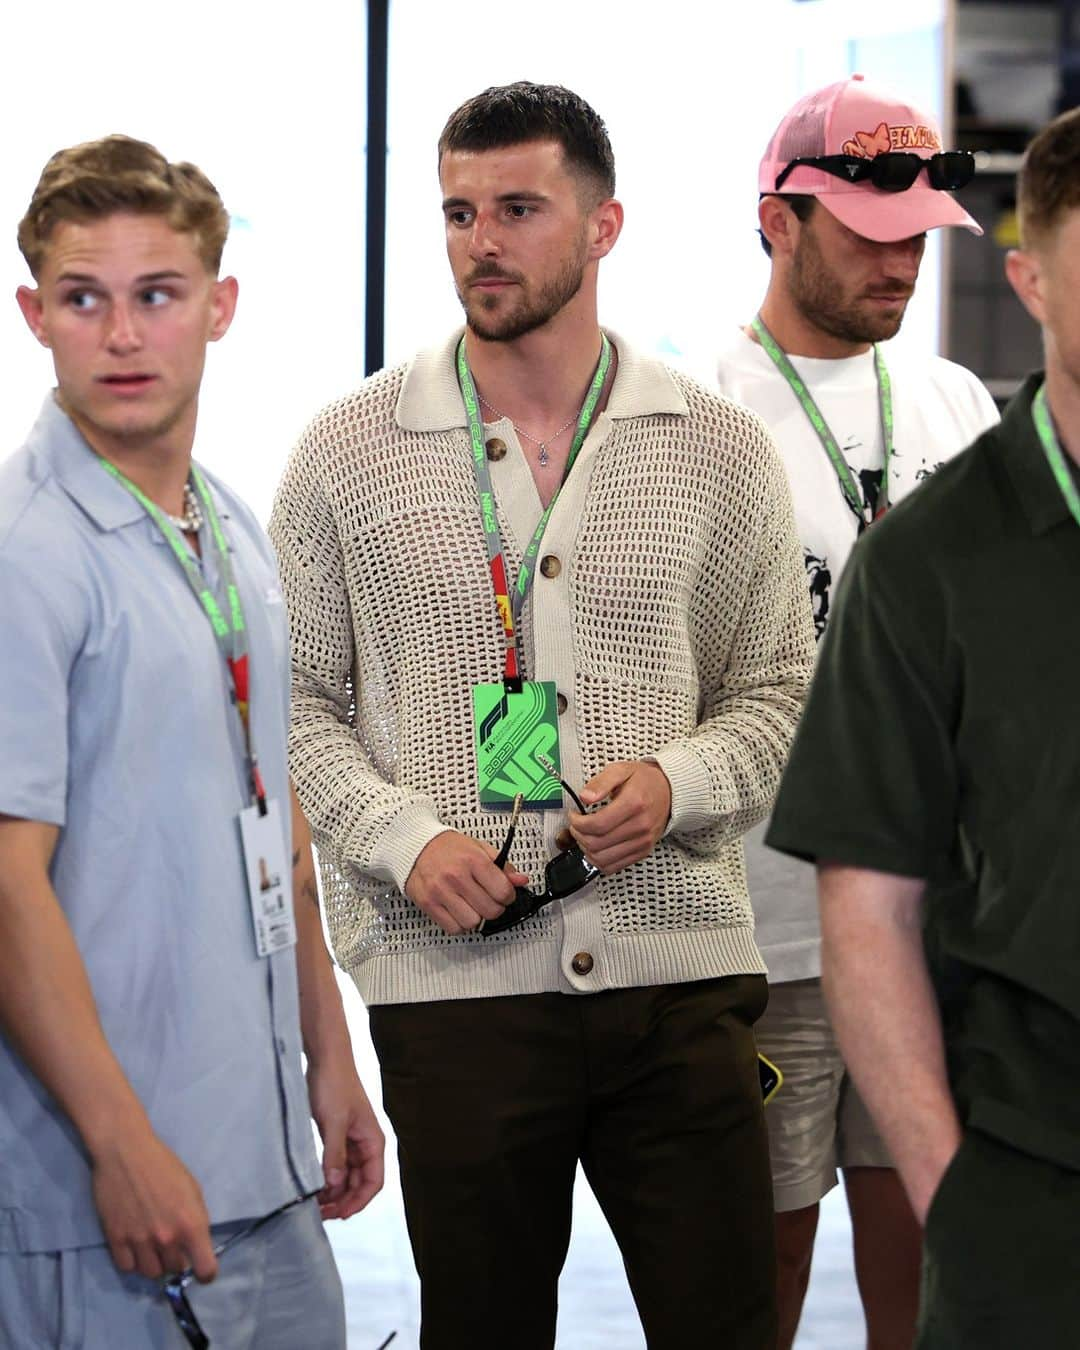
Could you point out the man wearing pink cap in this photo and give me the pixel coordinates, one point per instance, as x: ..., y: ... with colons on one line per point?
x: 950, y: 886
x: 850, y: 182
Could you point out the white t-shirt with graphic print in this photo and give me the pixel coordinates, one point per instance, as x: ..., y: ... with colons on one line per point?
x: 939, y: 408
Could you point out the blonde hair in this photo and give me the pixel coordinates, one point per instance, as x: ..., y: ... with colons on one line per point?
x: 98, y: 178
x: 1049, y: 181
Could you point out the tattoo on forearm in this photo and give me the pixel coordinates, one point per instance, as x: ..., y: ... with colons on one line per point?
x: 310, y: 892
x: 295, y: 857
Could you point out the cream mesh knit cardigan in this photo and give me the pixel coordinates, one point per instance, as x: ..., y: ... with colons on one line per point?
x: 677, y: 627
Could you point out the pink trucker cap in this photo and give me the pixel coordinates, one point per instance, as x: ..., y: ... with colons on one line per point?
x: 853, y: 118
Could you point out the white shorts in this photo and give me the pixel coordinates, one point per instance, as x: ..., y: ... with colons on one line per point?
x: 817, y: 1121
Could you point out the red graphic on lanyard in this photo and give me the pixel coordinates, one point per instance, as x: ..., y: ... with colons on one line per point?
x: 506, y: 614
x: 238, y: 669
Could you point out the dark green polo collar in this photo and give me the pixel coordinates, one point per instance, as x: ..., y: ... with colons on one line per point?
x: 1025, y: 461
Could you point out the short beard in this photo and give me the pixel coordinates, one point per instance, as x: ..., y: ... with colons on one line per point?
x: 818, y: 295
x: 132, y: 437
x: 553, y: 297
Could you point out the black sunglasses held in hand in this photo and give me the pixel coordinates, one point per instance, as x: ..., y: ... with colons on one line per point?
x: 893, y: 171
x: 566, y: 873
x: 174, y: 1287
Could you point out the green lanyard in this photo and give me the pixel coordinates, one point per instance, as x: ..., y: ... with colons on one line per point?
x: 1055, y: 456
x: 848, y: 485
x: 510, y: 606
x: 230, y: 633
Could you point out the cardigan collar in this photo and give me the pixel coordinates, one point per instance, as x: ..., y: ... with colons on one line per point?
x: 430, y: 398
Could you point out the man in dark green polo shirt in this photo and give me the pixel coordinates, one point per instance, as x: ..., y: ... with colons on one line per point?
x: 935, y: 780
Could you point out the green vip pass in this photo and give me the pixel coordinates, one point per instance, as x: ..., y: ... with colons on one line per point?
x: 510, y: 731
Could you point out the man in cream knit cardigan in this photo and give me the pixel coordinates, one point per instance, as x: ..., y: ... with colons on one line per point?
x: 661, y: 620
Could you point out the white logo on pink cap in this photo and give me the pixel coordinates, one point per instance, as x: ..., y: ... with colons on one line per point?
x: 884, y: 138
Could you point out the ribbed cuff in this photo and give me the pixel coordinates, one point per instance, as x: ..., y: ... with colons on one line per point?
x: 691, y: 787
x: 403, y: 840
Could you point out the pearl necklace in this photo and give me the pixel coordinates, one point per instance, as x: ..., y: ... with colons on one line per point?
x: 542, y: 446
x: 191, y: 521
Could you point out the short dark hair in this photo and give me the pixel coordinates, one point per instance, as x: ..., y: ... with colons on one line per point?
x: 800, y: 202
x: 513, y: 114
x: 1049, y: 181
x: 99, y: 178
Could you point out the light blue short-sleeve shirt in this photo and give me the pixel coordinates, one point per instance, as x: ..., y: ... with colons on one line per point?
x: 116, y: 725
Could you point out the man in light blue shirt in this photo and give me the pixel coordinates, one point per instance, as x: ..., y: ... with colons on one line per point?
x: 155, y: 996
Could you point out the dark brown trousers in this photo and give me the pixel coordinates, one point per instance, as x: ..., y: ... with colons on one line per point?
x: 654, y: 1090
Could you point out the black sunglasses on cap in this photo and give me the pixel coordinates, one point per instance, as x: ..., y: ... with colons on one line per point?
x: 893, y: 171
x: 566, y: 873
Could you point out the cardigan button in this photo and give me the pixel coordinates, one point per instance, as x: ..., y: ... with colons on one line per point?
x: 560, y: 703
x: 582, y: 964
x: 496, y: 449
x: 550, y: 566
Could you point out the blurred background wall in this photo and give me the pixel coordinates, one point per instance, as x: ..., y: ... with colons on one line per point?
x: 1015, y: 65
x: 271, y: 101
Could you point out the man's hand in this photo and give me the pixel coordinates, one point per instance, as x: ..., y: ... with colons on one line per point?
x: 150, y: 1206
x: 627, y: 829
x: 922, y: 1176
x: 886, y: 1018
x: 352, y: 1140
x: 456, y: 883
x: 151, y: 1209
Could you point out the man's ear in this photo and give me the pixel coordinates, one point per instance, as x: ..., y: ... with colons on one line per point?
x: 29, y: 301
x: 779, y: 224
x: 222, y: 307
x: 1025, y: 273
x: 606, y: 222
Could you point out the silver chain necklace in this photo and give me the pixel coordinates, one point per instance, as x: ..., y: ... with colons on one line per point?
x: 191, y: 521
x: 542, y: 446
